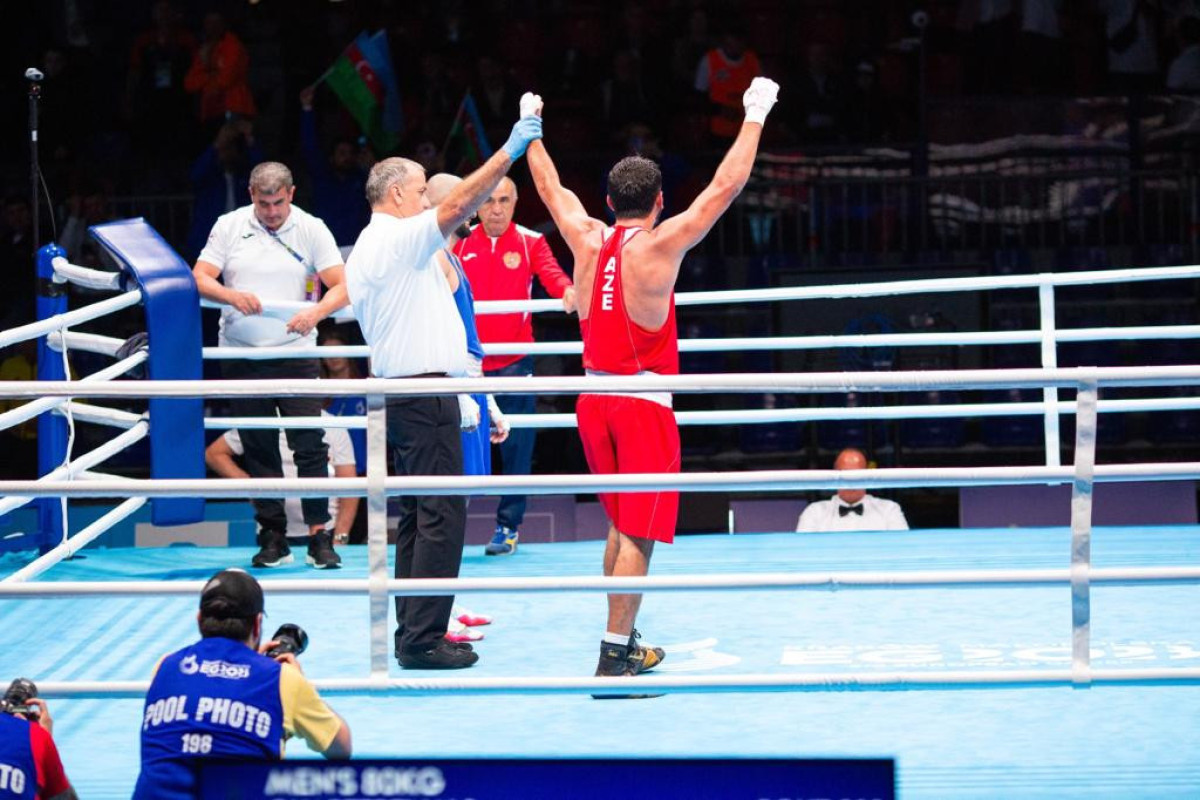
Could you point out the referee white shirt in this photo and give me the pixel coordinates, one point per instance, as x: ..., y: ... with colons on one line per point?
x: 402, y: 300
x: 277, y: 265
x: 877, y: 515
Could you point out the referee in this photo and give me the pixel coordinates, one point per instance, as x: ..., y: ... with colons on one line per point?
x: 408, y: 318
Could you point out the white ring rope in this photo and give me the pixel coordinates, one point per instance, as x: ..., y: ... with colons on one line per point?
x: 797, y: 682
x: 756, y: 480
x: 50, y: 325
x: 766, y: 581
x: 792, y: 382
x: 66, y: 272
x: 763, y: 343
x: 285, y: 310
x: 762, y: 416
x: 38, y: 407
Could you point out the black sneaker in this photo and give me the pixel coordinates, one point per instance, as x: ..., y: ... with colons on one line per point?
x: 273, y: 550
x: 643, y: 659
x: 320, y: 552
x: 443, y: 655
x: 614, y: 663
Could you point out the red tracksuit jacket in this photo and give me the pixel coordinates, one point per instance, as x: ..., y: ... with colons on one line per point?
x: 504, y: 271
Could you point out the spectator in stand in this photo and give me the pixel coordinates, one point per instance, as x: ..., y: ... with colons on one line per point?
x: 688, y: 49
x: 1040, y: 67
x: 868, y: 114
x: 1131, y: 27
x: 84, y: 210
x: 624, y: 99
x: 851, y: 509
x: 18, y: 442
x: 16, y: 254
x: 500, y: 259
x: 156, y: 102
x: 339, y: 181
x: 495, y: 97
x: 988, y: 39
x: 723, y: 75
x: 218, y: 177
x: 1184, y: 74
x: 29, y: 762
x: 219, y: 73
x: 821, y: 103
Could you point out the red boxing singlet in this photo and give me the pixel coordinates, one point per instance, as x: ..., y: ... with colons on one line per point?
x: 612, y: 342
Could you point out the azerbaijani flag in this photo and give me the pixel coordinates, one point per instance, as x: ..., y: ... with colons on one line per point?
x: 468, y: 136
x: 363, y: 79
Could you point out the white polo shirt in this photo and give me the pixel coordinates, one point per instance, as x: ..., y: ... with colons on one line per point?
x: 401, y: 298
x: 341, y: 453
x: 877, y: 515
x: 274, y: 266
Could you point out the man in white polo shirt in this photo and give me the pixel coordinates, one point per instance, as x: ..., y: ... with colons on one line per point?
x: 408, y: 317
x: 269, y: 251
x: 852, y: 509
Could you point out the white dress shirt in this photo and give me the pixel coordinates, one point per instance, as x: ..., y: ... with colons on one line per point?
x: 877, y: 515
x: 274, y: 265
x: 341, y: 453
x: 402, y: 300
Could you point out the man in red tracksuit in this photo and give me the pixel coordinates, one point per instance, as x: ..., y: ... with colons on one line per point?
x: 500, y: 259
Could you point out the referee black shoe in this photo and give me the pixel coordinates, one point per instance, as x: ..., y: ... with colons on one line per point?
x: 273, y: 550
x: 320, y: 552
x: 443, y: 655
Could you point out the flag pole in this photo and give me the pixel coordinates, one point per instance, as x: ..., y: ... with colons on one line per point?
x: 458, y: 114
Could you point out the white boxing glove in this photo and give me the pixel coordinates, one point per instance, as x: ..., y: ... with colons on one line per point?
x: 531, y: 104
x: 759, y: 99
x: 468, y: 410
x: 498, y: 423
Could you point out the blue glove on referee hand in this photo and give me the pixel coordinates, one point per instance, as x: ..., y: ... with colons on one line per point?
x: 525, y: 131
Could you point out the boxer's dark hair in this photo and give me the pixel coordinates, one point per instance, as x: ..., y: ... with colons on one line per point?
x: 633, y: 183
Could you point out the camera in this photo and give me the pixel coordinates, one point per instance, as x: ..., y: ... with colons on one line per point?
x: 16, y: 699
x: 291, y: 638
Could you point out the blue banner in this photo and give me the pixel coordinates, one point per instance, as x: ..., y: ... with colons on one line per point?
x: 546, y: 779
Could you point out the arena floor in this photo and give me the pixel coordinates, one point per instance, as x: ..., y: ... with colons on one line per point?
x: 1134, y: 741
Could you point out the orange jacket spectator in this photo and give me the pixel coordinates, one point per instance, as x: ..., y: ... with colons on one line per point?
x: 218, y: 73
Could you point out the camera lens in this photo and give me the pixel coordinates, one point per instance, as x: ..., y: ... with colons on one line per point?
x: 291, y: 638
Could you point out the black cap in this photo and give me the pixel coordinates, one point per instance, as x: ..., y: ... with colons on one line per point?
x: 231, y: 594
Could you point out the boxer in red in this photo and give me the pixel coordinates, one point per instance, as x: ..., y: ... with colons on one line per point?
x: 625, y: 283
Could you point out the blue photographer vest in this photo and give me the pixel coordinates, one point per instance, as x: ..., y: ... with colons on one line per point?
x: 477, y: 445
x: 215, y: 699
x: 18, y: 772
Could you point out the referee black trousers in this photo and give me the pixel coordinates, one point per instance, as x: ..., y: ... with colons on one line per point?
x: 423, y: 433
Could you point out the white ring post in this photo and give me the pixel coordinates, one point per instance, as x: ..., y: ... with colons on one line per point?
x: 1049, y: 360
x: 1081, y: 533
x: 377, y: 563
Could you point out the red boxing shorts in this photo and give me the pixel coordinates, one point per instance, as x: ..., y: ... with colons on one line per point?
x: 623, y: 435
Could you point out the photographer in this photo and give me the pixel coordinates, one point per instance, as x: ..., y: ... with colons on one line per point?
x: 29, y: 762
x: 230, y: 695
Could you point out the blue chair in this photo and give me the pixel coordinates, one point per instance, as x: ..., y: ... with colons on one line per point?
x: 1016, y: 431
x: 935, y: 432
x: 840, y: 434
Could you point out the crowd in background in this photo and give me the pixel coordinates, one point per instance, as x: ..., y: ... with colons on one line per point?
x: 171, y: 93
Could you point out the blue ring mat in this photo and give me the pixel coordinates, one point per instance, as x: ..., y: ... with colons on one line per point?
x: 1106, y: 741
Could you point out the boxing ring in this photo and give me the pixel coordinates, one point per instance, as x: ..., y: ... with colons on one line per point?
x: 1055, y: 662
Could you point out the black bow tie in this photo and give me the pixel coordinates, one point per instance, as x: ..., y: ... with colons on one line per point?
x: 844, y: 510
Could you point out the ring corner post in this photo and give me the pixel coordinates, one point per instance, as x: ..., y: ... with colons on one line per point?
x: 172, y: 306
x: 51, y: 428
